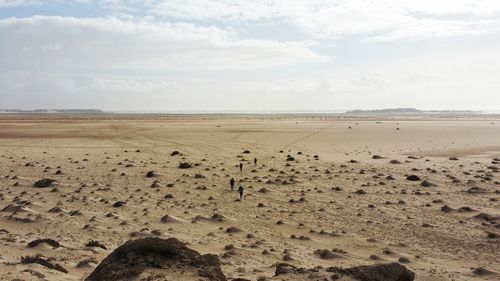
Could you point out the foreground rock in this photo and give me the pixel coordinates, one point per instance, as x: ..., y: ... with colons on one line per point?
x: 378, y: 272
x: 147, y: 257
x: 170, y: 259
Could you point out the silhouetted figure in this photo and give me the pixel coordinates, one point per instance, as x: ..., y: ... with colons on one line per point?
x: 240, y: 190
x: 231, y: 182
x: 255, y: 161
x: 241, y: 167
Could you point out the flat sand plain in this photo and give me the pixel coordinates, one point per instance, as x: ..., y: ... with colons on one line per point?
x: 352, y: 199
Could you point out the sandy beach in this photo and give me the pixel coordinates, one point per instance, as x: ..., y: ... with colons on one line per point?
x: 324, y: 192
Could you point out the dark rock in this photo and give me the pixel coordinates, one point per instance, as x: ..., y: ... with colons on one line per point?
x: 55, y: 210
x: 377, y: 272
x: 486, y: 217
x: 118, y: 204
x: 492, y: 235
x: 44, y: 262
x: 44, y: 183
x: 93, y: 243
x: 233, y: 229
x: 466, y: 209
x: 217, y: 217
x: 476, y: 189
x: 413, y: 178
x: 403, y: 260
x: 184, y: 165
x: 37, y: 242
x: 136, y: 256
x: 483, y: 271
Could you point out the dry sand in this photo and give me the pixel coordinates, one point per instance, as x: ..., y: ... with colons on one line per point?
x: 363, y: 211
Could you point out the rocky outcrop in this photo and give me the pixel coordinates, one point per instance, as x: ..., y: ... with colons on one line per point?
x: 174, y: 260
x: 170, y: 259
x: 378, y: 272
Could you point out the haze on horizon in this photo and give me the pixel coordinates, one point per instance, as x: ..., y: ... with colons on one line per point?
x: 195, y: 55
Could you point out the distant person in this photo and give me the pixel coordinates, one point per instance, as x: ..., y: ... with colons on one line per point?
x: 240, y: 190
x: 255, y: 161
x: 231, y: 182
x: 241, y: 167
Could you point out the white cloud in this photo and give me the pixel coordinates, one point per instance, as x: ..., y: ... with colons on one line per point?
x: 104, y: 44
x: 16, y: 3
x: 465, y: 80
x: 201, y: 55
x: 375, y: 20
x: 385, y: 19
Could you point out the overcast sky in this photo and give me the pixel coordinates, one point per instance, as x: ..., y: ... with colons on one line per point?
x: 182, y: 55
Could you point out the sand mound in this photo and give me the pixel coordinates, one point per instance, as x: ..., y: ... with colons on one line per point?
x: 488, y: 217
x: 137, y: 257
x: 23, y: 214
x: 378, y: 272
x: 326, y: 254
x: 56, y: 209
x: 214, y: 218
x: 171, y: 219
x: 218, y: 217
x: 447, y: 209
x: 483, y: 271
x: 156, y: 184
x: 427, y: 183
x: 15, y: 208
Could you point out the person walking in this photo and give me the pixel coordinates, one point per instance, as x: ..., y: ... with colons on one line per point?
x: 240, y: 190
x: 231, y: 182
x: 255, y: 161
x: 241, y: 167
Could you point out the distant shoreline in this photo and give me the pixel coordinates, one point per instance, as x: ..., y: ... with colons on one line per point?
x: 246, y: 116
x: 335, y: 112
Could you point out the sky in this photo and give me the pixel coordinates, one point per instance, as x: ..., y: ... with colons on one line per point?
x: 249, y: 55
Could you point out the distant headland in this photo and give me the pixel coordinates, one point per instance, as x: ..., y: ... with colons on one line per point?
x: 411, y: 111
x: 75, y: 111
